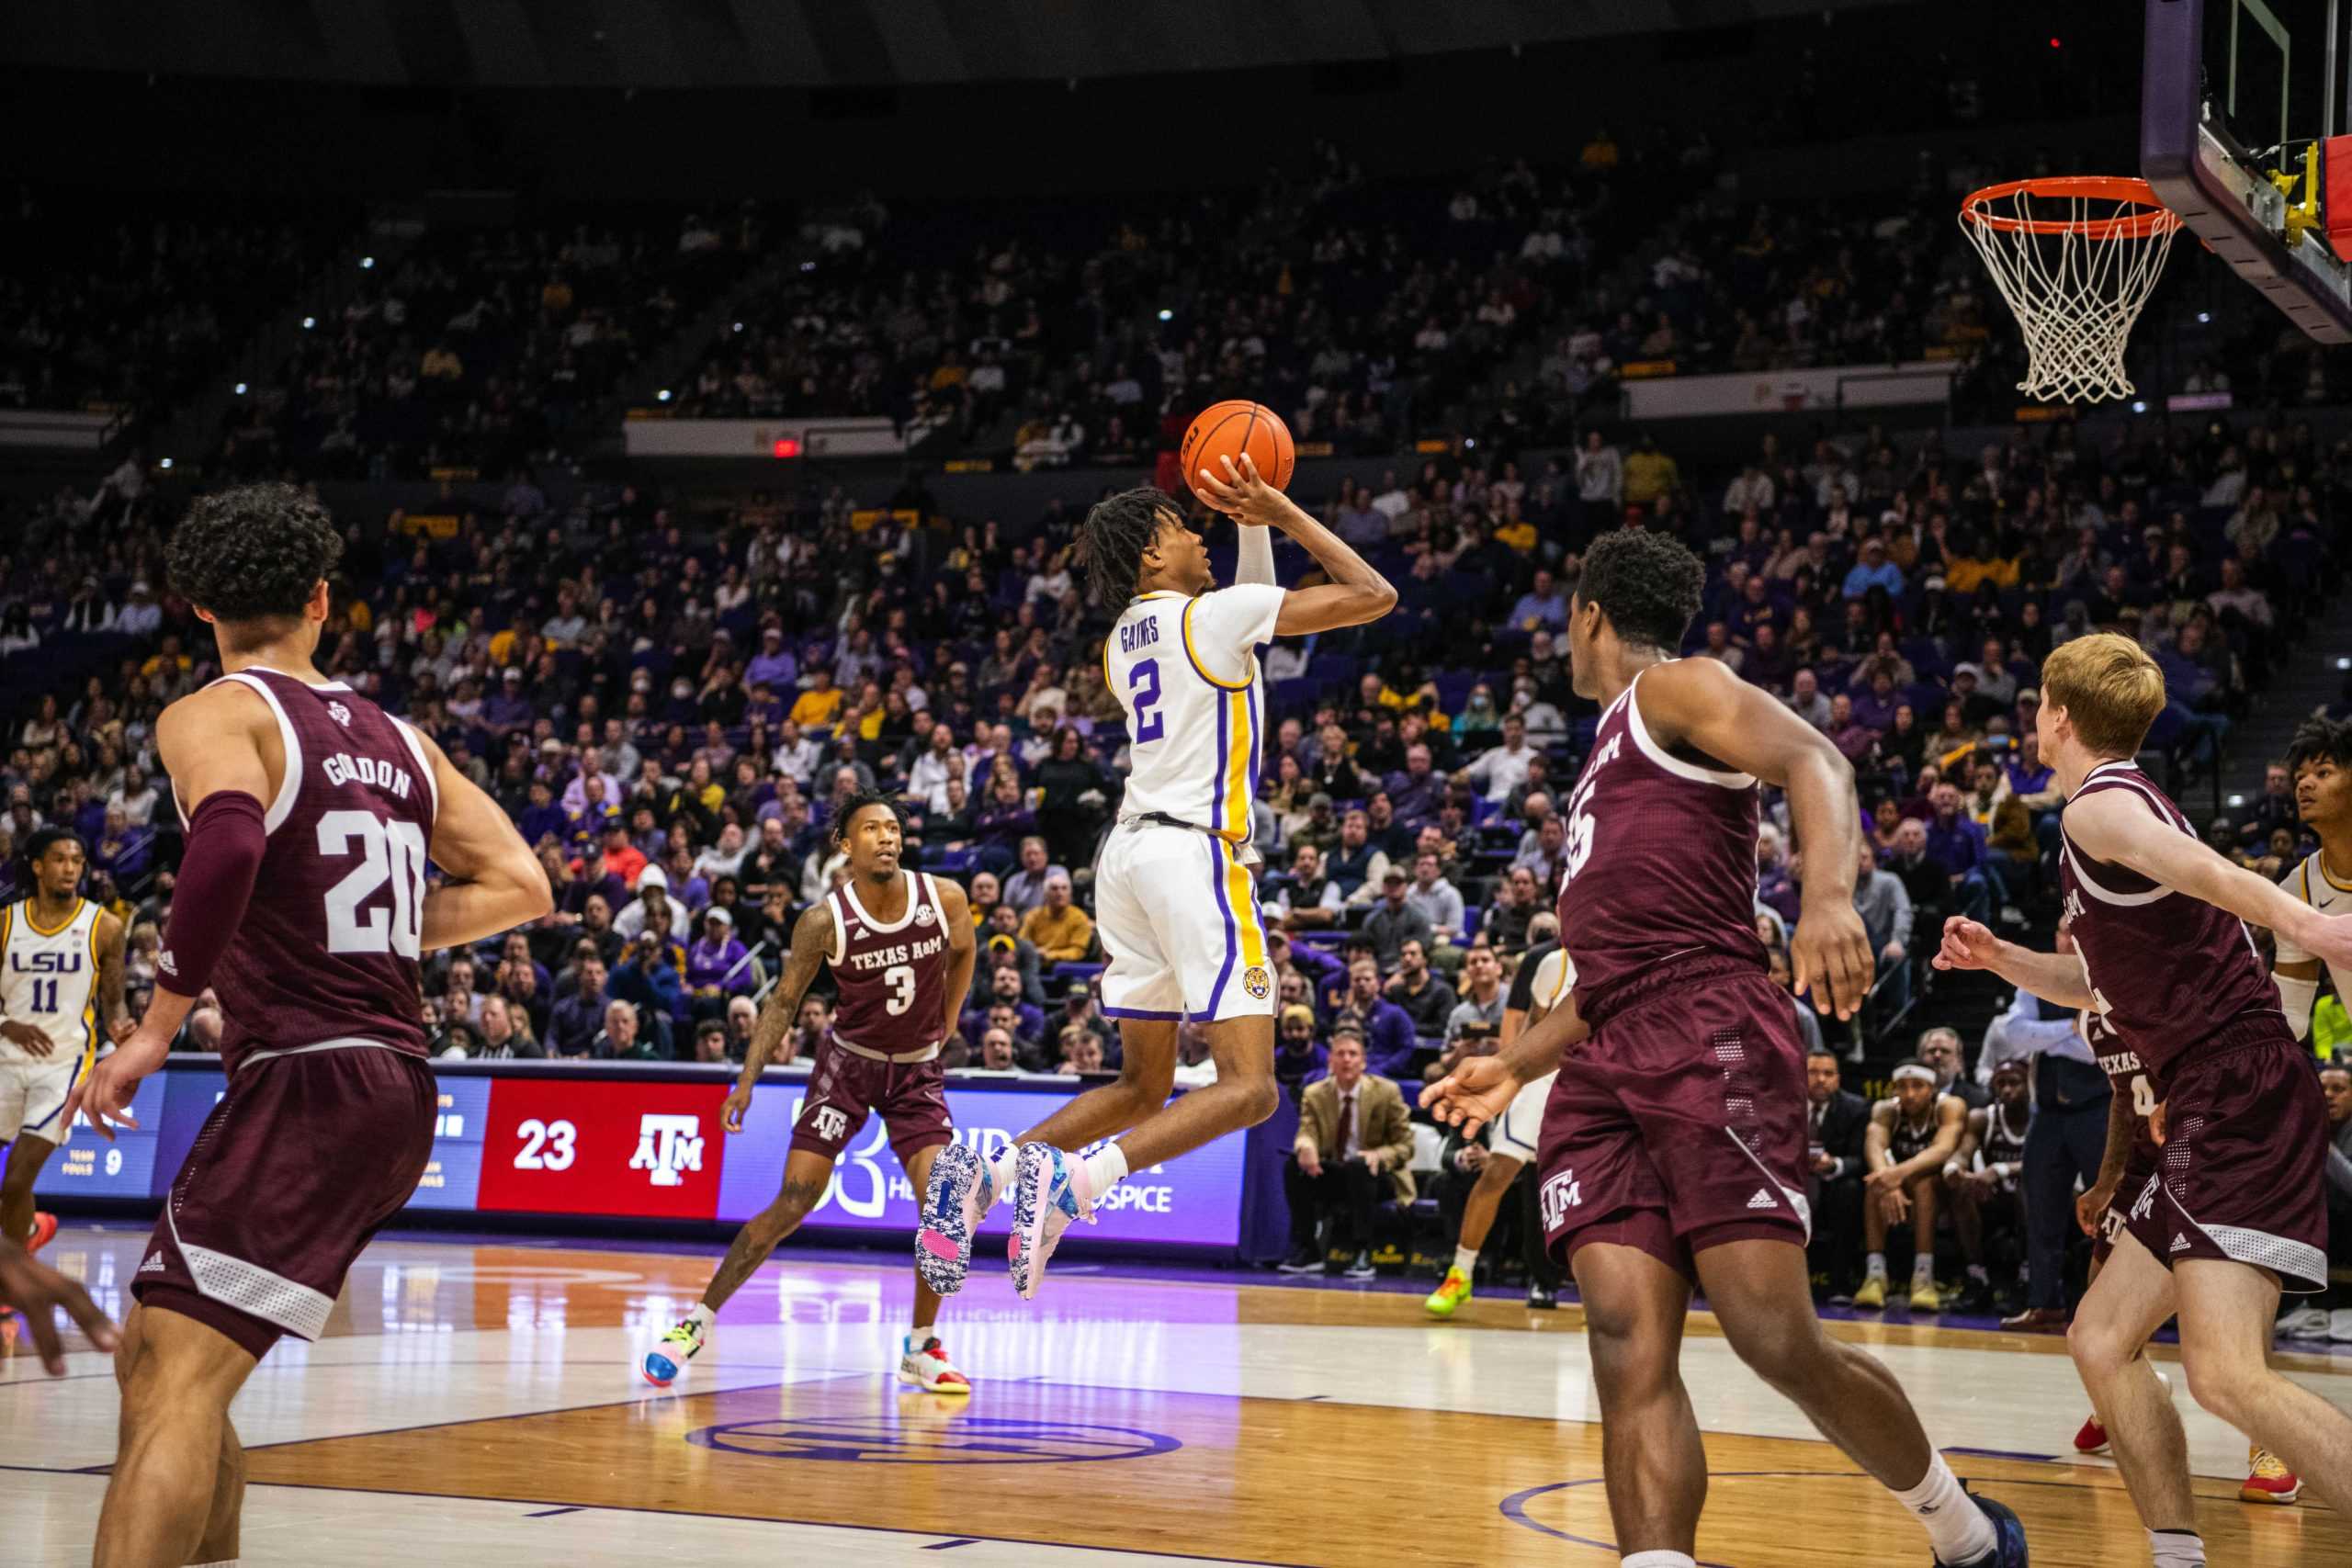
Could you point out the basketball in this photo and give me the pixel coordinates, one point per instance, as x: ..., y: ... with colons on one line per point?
x: 1232, y: 427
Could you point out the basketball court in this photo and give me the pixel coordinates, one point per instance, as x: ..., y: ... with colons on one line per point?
x: 479, y: 1403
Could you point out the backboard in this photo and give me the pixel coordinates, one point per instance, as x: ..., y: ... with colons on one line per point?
x: 2243, y: 102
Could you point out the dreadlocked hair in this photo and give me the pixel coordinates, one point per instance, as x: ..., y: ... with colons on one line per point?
x: 859, y: 802
x: 2319, y: 741
x: 1112, y: 541
x: 1646, y: 582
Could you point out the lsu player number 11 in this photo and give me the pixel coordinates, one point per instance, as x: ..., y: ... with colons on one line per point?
x: 61, y: 979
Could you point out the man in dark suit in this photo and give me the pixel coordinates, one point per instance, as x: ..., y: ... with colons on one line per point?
x: 1836, y: 1119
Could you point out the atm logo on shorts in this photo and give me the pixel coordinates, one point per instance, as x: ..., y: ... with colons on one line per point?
x: 666, y: 1146
x: 830, y: 1122
x: 1561, y: 1193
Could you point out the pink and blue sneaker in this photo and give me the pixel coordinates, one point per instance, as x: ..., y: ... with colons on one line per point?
x: 961, y: 1188
x: 1049, y: 1191
x: 666, y: 1363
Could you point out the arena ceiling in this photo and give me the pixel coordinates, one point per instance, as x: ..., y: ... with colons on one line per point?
x: 809, y: 43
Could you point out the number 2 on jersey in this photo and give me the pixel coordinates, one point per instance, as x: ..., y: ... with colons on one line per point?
x: 1143, y: 687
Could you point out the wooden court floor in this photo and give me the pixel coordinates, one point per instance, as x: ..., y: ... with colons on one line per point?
x: 477, y: 1404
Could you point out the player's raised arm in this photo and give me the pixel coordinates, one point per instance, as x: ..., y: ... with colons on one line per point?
x: 1697, y: 705
x: 2113, y: 825
x: 812, y: 938
x: 494, y: 882
x: 1357, y: 593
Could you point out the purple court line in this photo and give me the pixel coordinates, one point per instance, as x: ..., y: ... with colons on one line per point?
x: 761, y: 1520
x: 2006, y: 1453
x: 952, y: 1545
x: 552, y: 1513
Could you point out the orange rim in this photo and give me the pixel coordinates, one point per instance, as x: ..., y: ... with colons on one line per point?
x: 2154, y: 218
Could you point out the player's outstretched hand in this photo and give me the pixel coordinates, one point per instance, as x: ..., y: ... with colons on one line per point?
x: 38, y: 1291
x: 1241, y: 494
x: 1829, y: 955
x: 1967, y: 945
x: 1473, y: 1094
x: 104, y: 1093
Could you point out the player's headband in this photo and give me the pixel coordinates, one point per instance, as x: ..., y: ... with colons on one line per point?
x: 1917, y: 1074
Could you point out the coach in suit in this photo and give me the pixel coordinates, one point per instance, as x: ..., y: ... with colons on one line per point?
x: 1836, y: 1119
x: 1354, y: 1147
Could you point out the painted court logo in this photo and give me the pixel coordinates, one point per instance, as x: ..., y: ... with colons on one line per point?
x: 1254, y: 981
x: 666, y: 1146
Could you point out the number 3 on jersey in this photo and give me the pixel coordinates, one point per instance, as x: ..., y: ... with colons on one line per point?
x: 1150, y: 724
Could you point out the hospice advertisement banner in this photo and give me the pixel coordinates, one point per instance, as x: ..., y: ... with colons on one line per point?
x: 86, y: 1165
x: 1191, y: 1201
x: 639, y: 1149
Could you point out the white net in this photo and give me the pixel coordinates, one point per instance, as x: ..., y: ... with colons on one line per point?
x: 2077, y: 260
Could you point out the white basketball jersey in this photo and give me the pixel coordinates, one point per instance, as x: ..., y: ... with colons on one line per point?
x: 1186, y: 670
x: 2312, y: 883
x: 1556, y: 977
x: 50, y: 979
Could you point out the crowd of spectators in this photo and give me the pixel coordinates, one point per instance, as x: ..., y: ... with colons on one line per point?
x: 98, y: 310
x: 483, y: 349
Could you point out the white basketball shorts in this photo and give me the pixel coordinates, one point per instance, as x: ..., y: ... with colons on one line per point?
x: 1178, y: 916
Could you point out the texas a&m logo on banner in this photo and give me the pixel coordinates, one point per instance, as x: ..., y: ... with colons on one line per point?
x: 573, y: 1147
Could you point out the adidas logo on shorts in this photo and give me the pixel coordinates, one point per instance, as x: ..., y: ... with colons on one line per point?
x: 2180, y: 1244
x: 1763, y: 1200
x: 154, y: 1264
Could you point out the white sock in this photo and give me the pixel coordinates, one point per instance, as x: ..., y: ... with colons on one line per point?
x: 1000, y: 1171
x: 1105, y: 1168
x: 2177, y: 1548
x: 1923, y: 1269
x: 1876, y: 1267
x: 1959, y: 1529
x: 703, y: 1316
x: 1658, y: 1560
x: 231, y: 1563
x: 916, y: 1340
x: 1466, y: 1260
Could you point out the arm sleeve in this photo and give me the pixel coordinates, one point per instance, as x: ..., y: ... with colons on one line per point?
x: 225, y: 844
x: 1222, y: 628
x: 1254, y: 557
x: 2297, y: 884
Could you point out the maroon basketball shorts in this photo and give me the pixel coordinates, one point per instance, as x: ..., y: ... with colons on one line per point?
x: 2243, y: 1172
x: 301, y: 1162
x: 1680, y: 1124
x: 910, y: 1095
x: 2128, y: 1187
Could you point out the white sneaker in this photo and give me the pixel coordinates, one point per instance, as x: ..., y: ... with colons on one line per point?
x: 2305, y: 1322
x: 2339, y: 1325
x: 1049, y: 1191
x: 927, y: 1367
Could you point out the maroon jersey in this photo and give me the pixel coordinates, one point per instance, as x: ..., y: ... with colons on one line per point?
x: 893, y: 977
x: 2131, y: 1080
x: 328, y: 950
x: 2168, y: 971
x: 1661, y: 860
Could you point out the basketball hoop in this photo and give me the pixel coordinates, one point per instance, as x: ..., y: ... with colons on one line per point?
x: 2077, y: 258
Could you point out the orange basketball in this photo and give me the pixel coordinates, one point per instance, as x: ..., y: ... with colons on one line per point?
x: 1231, y: 428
